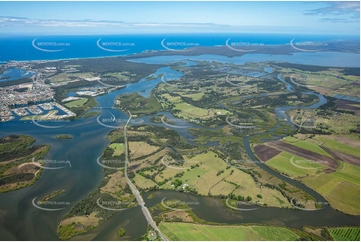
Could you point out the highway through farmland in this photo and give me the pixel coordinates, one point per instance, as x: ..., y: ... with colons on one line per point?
x: 134, y: 189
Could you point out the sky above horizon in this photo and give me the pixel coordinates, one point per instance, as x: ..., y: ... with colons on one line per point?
x: 179, y: 17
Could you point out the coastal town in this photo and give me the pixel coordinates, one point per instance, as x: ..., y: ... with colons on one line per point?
x: 32, y: 98
x: 35, y: 95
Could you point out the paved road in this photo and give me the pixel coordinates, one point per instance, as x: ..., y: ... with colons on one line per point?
x: 134, y: 189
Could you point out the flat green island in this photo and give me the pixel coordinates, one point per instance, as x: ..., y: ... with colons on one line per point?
x: 64, y: 136
x: 121, y: 232
x: 20, y: 162
x: 52, y: 195
x: 91, y: 114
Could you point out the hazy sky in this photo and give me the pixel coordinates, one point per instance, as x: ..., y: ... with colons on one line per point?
x: 166, y: 17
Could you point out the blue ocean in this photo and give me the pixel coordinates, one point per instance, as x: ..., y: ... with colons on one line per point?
x: 42, y: 47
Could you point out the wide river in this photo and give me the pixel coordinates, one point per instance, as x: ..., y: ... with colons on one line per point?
x: 21, y: 220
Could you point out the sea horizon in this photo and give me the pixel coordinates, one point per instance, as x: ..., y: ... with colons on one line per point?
x: 24, y: 48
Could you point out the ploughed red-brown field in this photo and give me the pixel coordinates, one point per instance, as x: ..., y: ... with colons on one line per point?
x: 265, y: 152
x: 345, y: 104
x: 310, y: 155
x: 347, y: 141
x: 343, y: 157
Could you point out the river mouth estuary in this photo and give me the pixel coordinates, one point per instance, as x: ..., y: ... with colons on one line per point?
x: 161, y: 142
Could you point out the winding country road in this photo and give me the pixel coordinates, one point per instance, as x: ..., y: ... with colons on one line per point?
x: 134, y: 189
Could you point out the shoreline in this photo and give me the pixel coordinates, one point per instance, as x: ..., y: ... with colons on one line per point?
x: 134, y: 56
x: 193, y: 51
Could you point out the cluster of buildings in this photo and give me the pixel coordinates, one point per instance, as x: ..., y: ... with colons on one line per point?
x: 24, y: 94
x: 29, y: 98
x: 67, y: 111
x: 33, y: 109
x: 37, y: 96
x: 39, y: 109
x: 96, y: 91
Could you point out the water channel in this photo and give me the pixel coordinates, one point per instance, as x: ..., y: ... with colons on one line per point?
x: 20, y: 220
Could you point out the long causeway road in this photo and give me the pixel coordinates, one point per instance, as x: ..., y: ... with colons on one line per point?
x: 134, y: 189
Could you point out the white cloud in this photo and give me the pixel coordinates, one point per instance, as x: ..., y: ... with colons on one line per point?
x: 338, y: 8
x: 23, y: 22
